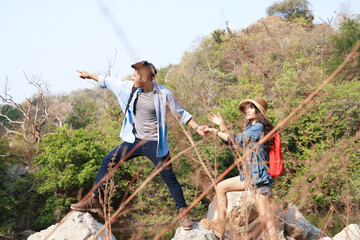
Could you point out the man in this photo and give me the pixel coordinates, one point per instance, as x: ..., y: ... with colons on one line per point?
x: 145, y: 104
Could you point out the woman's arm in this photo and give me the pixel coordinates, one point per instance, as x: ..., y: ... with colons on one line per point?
x: 217, y: 119
x: 223, y: 135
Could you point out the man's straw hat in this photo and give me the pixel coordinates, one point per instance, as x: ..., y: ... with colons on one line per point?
x: 259, y: 103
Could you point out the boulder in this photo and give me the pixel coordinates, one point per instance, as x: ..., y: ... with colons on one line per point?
x: 256, y: 231
x: 296, y: 225
x: 77, y: 226
x: 14, y: 173
x: 242, y: 217
x: 350, y: 232
x: 25, y: 234
x: 258, y: 26
x: 241, y: 208
x: 243, y: 222
x: 199, y: 232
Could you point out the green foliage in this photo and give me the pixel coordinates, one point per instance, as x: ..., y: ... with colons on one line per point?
x: 11, y: 112
x: 55, y: 209
x: 83, y: 112
x: 229, y: 109
x: 68, y: 161
x: 344, y: 40
x: 291, y: 9
x: 18, y: 200
x: 347, y: 36
x: 7, y: 201
x: 7, y: 216
x: 28, y: 203
x: 217, y: 35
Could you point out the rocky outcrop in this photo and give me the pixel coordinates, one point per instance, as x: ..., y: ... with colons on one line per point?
x: 241, y: 207
x: 198, y: 232
x: 296, y: 225
x: 351, y: 232
x: 243, y: 222
x: 77, y: 226
x: 258, y: 26
x: 14, y: 173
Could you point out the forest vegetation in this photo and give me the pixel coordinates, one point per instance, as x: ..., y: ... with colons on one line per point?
x: 61, y: 139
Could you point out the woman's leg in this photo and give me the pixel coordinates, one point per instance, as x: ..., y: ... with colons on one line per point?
x: 266, y: 215
x: 228, y: 185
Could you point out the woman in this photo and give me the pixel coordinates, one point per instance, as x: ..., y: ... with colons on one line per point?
x: 259, y: 179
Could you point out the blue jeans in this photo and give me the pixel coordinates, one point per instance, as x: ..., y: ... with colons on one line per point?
x: 148, y: 149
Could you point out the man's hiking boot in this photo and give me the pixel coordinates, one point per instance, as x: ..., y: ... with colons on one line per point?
x: 216, y: 227
x: 185, y: 222
x: 90, y: 204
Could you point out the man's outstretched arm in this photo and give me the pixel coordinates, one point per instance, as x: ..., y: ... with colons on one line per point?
x: 86, y: 75
x: 202, y: 130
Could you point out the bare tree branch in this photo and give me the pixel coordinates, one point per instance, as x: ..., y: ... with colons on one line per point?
x: 36, y: 111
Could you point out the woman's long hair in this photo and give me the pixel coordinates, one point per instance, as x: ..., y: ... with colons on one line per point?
x: 267, y: 128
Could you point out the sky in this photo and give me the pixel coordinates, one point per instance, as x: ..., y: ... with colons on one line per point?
x: 50, y: 39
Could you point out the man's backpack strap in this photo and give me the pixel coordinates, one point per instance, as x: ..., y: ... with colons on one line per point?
x: 133, y: 90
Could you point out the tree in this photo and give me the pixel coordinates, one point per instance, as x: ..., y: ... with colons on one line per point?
x: 68, y: 161
x: 291, y: 9
x: 83, y: 112
x: 348, y: 35
x: 344, y: 40
x: 36, y: 112
x: 217, y: 35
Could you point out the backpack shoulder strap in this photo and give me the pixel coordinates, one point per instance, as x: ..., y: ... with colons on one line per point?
x: 133, y: 90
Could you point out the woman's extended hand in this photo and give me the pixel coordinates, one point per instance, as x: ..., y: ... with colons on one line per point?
x: 211, y: 130
x: 216, y: 119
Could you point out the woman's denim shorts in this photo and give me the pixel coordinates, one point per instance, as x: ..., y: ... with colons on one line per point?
x: 265, y: 189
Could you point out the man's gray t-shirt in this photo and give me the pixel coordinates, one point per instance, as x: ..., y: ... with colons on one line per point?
x: 145, y: 118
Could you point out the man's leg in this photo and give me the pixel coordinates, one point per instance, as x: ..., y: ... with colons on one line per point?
x: 167, y: 173
x: 169, y: 177
x: 113, y: 157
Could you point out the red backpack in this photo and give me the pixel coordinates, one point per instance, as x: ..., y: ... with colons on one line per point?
x: 276, y: 158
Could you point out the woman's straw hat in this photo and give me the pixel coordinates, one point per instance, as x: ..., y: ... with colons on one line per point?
x: 259, y: 103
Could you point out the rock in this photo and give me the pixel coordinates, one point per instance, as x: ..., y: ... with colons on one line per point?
x: 256, y: 230
x: 199, y: 232
x: 14, y: 173
x: 258, y: 26
x: 26, y: 233
x: 77, y: 226
x: 296, y: 225
x: 350, y: 232
x: 243, y: 222
x: 241, y: 208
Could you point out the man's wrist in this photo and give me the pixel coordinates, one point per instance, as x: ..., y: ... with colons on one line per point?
x: 196, y: 127
x: 94, y: 77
